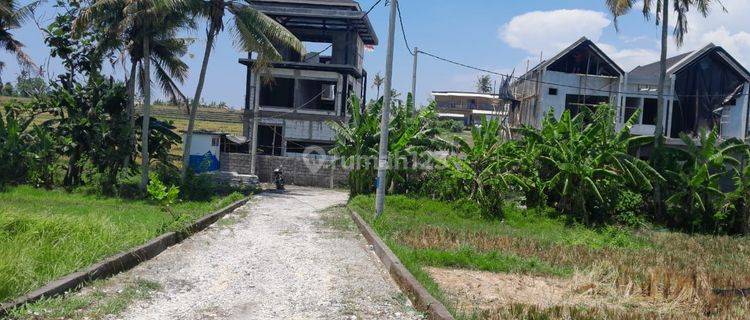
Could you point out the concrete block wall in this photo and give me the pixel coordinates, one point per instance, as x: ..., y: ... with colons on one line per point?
x: 296, y: 172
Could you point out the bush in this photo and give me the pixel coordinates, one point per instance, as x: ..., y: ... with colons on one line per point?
x: 129, y: 187
x: 630, y: 209
x: 450, y: 126
x: 198, y: 187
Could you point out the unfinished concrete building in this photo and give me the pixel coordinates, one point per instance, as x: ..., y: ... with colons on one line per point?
x: 468, y: 107
x: 302, y: 92
x: 706, y: 88
x: 581, y: 76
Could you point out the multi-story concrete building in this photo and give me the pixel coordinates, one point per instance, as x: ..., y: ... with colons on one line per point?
x: 301, y: 93
x: 468, y: 107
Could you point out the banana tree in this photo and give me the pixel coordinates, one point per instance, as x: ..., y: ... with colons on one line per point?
x: 695, y: 196
x: 581, y: 162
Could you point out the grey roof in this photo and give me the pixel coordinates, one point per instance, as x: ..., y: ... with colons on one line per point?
x: 319, y: 14
x: 652, y: 70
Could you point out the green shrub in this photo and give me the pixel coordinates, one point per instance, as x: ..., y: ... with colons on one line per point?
x: 129, y: 187
x: 199, y: 187
x: 162, y: 195
x: 630, y: 209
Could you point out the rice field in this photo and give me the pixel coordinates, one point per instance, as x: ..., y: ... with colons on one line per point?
x: 482, y: 269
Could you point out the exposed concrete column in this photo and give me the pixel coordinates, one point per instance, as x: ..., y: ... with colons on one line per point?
x: 745, y: 103
x: 670, y: 106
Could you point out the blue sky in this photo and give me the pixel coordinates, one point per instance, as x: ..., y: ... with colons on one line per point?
x: 500, y: 35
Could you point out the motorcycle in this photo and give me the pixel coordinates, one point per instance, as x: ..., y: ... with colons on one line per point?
x: 278, y: 178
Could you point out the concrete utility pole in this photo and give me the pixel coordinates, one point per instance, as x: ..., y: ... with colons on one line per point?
x: 414, y: 78
x: 256, y: 118
x: 385, y: 119
x: 146, y: 122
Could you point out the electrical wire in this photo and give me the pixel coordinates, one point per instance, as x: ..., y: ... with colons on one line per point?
x: 331, y: 45
x: 521, y: 78
x: 403, y: 30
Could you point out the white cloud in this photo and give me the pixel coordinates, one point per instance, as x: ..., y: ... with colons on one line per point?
x: 727, y: 29
x: 628, y: 59
x: 551, y: 31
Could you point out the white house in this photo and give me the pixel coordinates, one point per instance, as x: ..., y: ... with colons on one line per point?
x: 581, y: 76
x: 704, y: 89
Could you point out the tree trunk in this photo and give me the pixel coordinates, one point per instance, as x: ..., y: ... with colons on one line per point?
x: 662, y: 104
x: 130, y: 111
x: 145, y: 133
x: 196, y: 101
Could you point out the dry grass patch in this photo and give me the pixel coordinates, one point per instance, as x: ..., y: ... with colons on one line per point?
x: 529, y: 266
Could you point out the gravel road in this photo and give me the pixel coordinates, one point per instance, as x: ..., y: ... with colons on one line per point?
x: 275, y: 258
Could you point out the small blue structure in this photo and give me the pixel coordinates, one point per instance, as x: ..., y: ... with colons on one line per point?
x: 205, y: 151
x: 205, y: 163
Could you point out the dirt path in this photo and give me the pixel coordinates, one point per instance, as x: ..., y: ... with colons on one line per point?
x: 279, y: 257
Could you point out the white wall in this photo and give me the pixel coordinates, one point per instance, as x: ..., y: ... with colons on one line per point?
x: 201, y: 144
x: 734, y: 117
x: 590, y: 86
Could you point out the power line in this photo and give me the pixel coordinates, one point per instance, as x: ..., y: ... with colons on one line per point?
x: 403, y: 30
x: 521, y: 78
x: 331, y: 45
x: 465, y: 65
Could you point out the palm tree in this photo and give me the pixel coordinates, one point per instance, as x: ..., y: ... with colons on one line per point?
x: 11, y: 17
x: 681, y: 8
x: 145, y: 30
x: 484, y: 84
x: 377, y: 82
x: 255, y: 32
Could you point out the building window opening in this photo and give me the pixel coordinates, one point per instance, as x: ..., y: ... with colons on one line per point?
x: 631, y: 106
x: 650, y: 109
x: 270, y: 140
x: 578, y: 103
x: 277, y: 92
x: 317, y: 95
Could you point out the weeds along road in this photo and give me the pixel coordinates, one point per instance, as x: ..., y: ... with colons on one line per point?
x: 281, y: 256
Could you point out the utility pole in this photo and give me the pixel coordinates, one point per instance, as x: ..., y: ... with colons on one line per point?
x: 385, y: 119
x: 256, y: 118
x: 146, y: 122
x: 414, y: 79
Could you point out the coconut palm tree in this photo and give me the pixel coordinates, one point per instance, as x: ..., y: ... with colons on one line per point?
x: 145, y: 30
x: 254, y: 31
x: 12, y: 15
x: 484, y: 84
x: 377, y: 82
x: 661, y: 8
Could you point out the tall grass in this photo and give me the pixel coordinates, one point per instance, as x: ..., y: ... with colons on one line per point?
x: 47, y: 234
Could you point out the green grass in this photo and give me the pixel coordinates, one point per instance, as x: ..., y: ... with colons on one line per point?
x: 47, y: 234
x: 96, y: 303
x: 427, y: 233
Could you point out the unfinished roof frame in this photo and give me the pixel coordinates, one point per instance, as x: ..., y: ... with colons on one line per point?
x: 572, y: 78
